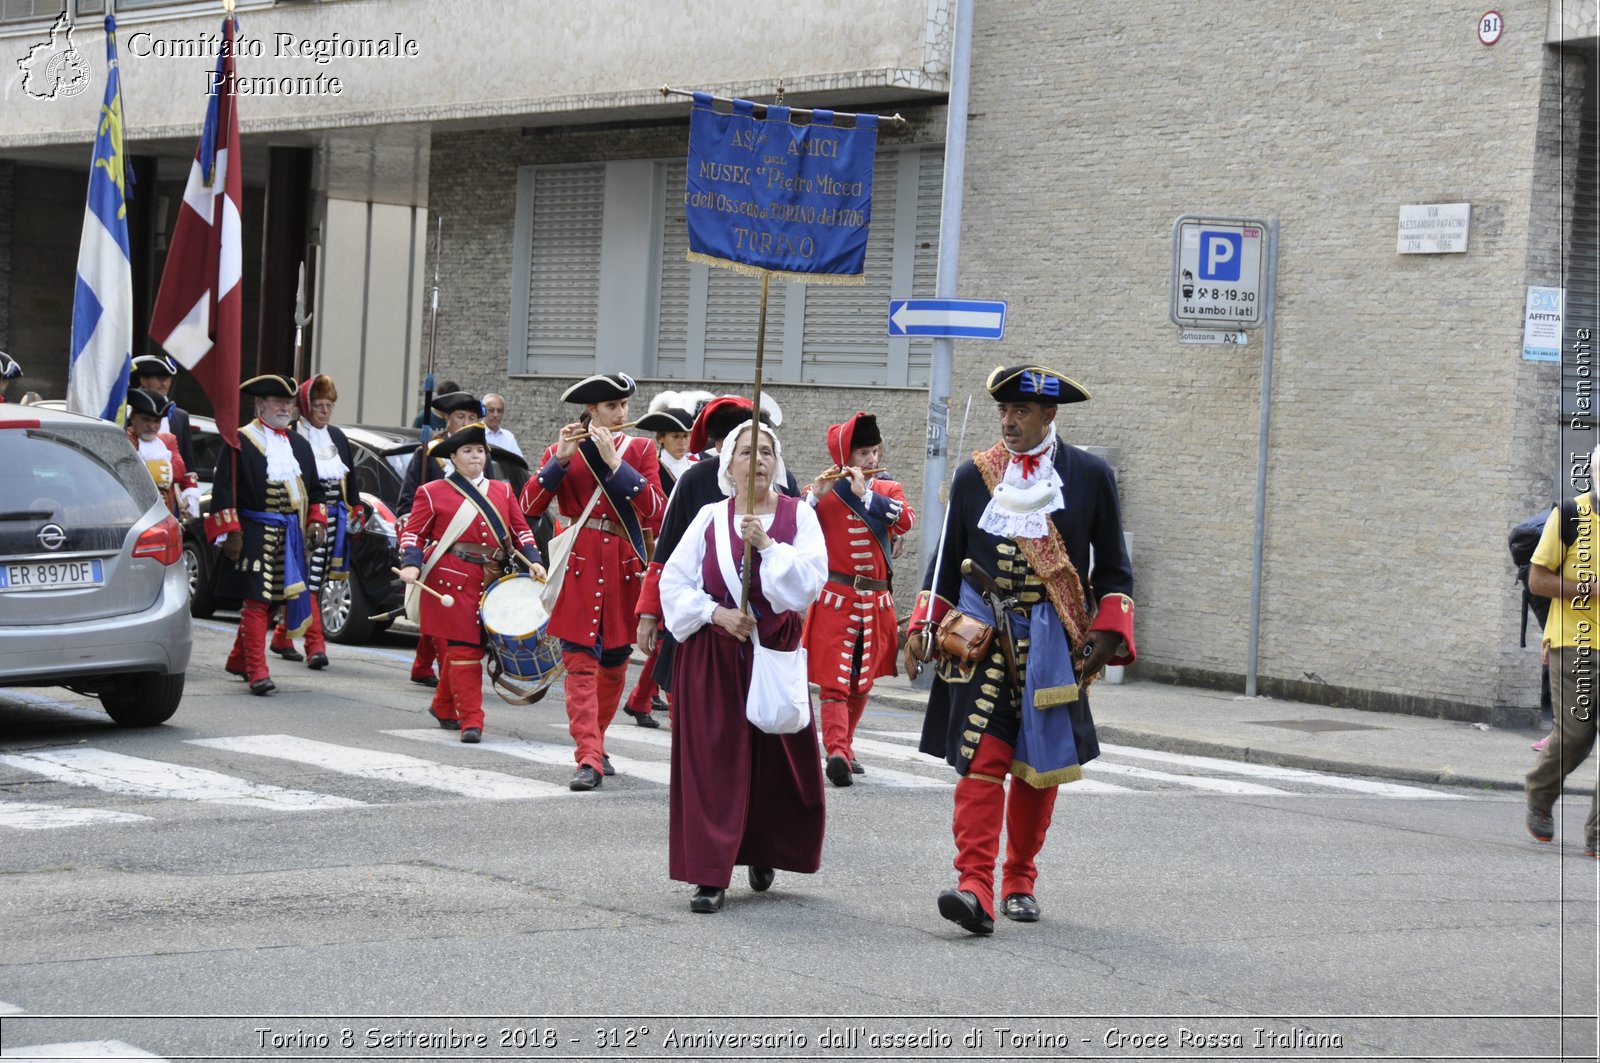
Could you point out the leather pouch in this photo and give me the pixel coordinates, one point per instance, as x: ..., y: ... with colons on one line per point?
x: 963, y: 639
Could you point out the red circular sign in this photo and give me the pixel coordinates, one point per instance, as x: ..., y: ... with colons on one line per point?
x: 1490, y: 27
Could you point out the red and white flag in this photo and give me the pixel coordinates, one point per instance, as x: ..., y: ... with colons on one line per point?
x: 197, y: 313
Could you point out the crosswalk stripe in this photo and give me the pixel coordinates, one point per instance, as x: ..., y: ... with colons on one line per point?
x: 78, y: 1050
x: 118, y: 773
x: 1198, y: 782
x: 1269, y: 771
x: 392, y: 767
x: 898, y: 751
x: 546, y: 753
x: 874, y: 777
x: 49, y: 817
x: 9, y: 1009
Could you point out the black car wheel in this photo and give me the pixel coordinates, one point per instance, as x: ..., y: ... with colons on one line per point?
x: 143, y: 700
x: 345, y: 612
x: 201, y: 603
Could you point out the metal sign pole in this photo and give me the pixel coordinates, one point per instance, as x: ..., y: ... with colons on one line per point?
x: 1270, y: 299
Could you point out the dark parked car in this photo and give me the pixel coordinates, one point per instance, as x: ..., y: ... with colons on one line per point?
x: 92, y: 597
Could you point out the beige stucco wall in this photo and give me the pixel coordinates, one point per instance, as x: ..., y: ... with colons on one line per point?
x: 1396, y: 458
x: 476, y: 60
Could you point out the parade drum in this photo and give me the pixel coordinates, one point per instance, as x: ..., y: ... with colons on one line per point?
x: 515, y: 618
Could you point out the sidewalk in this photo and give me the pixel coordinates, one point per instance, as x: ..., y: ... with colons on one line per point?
x: 1294, y: 734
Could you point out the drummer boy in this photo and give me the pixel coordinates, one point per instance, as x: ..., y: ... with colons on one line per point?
x: 455, y: 559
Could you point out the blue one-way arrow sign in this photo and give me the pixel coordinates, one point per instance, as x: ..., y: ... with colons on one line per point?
x: 968, y: 319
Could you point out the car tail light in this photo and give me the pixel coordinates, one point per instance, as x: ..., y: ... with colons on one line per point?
x: 164, y: 542
x: 19, y: 424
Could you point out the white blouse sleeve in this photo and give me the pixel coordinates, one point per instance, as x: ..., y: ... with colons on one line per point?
x: 792, y: 574
x: 685, y: 605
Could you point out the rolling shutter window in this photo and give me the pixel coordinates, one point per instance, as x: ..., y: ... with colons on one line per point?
x: 672, y: 319
x: 564, y: 269
x: 733, y: 309
x: 1580, y: 359
x: 846, y: 334
x: 930, y: 194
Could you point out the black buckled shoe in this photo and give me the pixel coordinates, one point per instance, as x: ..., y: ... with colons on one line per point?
x: 317, y: 661
x: 448, y: 725
x: 838, y: 770
x: 1541, y: 824
x: 472, y: 735
x: 586, y: 778
x: 856, y: 768
x: 429, y: 681
x: 240, y: 672
x: 643, y: 719
x: 289, y: 653
x: 707, y: 899
x: 962, y: 907
x: 761, y: 878
x: 658, y: 705
x: 1020, y: 907
x: 262, y: 687
x: 605, y: 766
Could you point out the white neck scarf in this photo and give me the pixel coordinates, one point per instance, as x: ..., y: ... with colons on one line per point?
x: 676, y: 466
x: 1021, y: 505
x: 282, y: 466
x: 329, y: 465
x: 154, y: 449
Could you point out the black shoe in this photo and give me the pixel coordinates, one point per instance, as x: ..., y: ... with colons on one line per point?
x: 240, y: 672
x: 289, y: 653
x: 643, y: 719
x: 706, y: 899
x: 961, y: 906
x: 429, y: 681
x: 585, y: 779
x: 472, y: 735
x: 262, y: 687
x: 1020, y: 907
x: 448, y: 725
x: 838, y: 771
x: 657, y: 705
x: 317, y: 661
x: 605, y: 766
x: 856, y: 768
x: 1540, y: 824
x: 761, y: 878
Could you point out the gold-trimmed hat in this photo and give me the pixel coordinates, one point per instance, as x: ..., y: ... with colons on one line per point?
x: 1034, y: 383
x: 269, y: 386
x: 466, y: 435
x: 602, y: 387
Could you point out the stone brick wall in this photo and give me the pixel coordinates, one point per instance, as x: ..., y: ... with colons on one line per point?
x: 1399, y: 394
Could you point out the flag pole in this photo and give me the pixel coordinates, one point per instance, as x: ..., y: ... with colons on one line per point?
x: 755, y: 441
x: 433, y: 334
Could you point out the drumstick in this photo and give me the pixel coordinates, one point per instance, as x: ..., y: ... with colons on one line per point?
x: 581, y: 436
x: 841, y: 475
x: 445, y: 600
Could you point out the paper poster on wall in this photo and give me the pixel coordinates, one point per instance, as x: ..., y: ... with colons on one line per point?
x: 1541, y: 324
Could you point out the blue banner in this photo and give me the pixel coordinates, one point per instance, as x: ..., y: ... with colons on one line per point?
x: 765, y: 195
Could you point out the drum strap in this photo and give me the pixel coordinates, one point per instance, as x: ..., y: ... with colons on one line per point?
x: 490, y: 515
x: 516, y: 696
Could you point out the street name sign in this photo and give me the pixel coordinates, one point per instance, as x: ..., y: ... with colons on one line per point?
x: 1217, y: 272
x: 965, y: 319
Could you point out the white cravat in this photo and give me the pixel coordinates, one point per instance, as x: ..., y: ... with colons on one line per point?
x: 282, y: 465
x: 1021, y: 505
x: 329, y: 465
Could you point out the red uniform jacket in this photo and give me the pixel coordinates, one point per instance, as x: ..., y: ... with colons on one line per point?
x: 856, y: 546
x: 604, y: 573
x: 432, y: 510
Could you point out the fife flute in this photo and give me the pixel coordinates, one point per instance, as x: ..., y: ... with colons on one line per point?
x: 843, y: 475
x: 579, y: 437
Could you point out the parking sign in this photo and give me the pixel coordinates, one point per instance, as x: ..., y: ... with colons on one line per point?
x: 1216, y: 272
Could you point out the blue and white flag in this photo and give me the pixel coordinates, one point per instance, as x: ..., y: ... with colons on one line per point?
x: 102, y: 305
x: 765, y: 195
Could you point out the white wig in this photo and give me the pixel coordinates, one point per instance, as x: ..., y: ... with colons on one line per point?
x: 725, y: 480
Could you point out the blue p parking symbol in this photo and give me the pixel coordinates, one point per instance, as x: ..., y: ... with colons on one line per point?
x: 1220, y: 255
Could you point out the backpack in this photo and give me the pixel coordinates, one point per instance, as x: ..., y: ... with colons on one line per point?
x: 1524, y: 539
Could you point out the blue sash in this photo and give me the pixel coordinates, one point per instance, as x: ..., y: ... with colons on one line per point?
x: 296, y: 599
x: 1046, y: 753
x: 622, y: 506
x: 339, y: 533
x: 486, y: 510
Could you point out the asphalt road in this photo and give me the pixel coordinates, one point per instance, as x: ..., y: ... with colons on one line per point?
x: 323, y: 873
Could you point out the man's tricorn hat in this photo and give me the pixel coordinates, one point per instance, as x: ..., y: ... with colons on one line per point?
x: 269, y: 386
x: 671, y: 419
x: 1032, y: 383
x: 602, y: 387
x: 148, y: 402
x: 451, y: 401
x: 154, y: 365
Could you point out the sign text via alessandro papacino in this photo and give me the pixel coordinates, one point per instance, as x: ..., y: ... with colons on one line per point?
x: 768, y: 195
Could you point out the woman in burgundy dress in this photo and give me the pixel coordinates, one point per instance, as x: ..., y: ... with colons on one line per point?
x: 740, y: 795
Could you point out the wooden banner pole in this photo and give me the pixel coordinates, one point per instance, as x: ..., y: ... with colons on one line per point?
x: 755, y: 441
